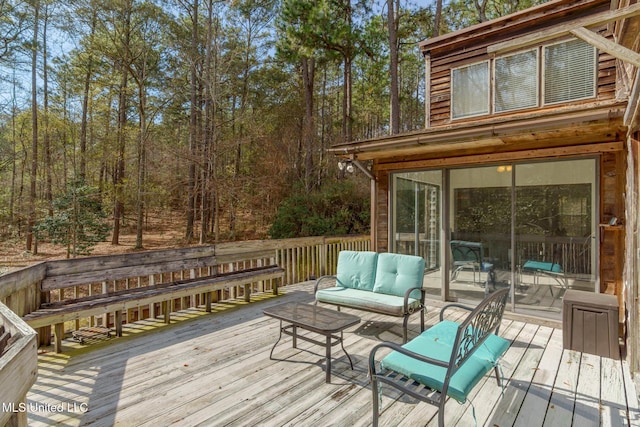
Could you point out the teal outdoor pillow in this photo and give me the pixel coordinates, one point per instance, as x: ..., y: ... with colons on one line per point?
x: 397, y: 273
x: 356, y: 269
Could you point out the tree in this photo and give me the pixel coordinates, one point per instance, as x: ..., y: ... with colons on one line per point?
x: 393, y: 7
x: 78, y: 221
x: 31, y: 220
x: 293, y: 25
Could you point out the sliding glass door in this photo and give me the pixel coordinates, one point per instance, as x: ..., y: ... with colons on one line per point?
x: 480, y: 203
x: 527, y: 226
x: 417, y: 226
x: 555, y: 232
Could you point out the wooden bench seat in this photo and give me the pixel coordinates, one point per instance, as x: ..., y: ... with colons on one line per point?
x: 116, y: 302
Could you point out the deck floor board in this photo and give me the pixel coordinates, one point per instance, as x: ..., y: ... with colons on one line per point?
x: 214, y: 370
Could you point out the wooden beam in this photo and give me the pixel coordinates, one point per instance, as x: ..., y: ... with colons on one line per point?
x: 475, y: 159
x: 607, y: 45
x: 632, y: 113
x: 564, y: 29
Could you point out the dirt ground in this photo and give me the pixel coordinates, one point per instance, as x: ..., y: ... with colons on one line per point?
x: 159, y: 234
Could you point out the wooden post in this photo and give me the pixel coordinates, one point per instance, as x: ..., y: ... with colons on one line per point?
x: 118, y: 322
x: 58, y: 335
x: 208, y: 302
x: 167, y: 312
x: 247, y: 292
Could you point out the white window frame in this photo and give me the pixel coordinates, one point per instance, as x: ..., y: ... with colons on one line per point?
x: 488, y: 87
x: 544, y: 74
x: 494, y: 80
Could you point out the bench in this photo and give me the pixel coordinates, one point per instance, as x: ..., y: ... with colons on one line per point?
x: 119, y: 301
x: 384, y: 283
x: 448, y: 359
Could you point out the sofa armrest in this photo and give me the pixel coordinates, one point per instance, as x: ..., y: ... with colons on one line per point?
x: 321, y: 279
x: 407, y: 295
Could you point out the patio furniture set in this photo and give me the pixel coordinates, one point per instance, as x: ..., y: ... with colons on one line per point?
x: 446, y: 360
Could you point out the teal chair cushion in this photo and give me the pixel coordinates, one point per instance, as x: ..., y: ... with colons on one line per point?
x: 366, y: 300
x: 542, y: 266
x: 356, y: 269
x: 437, y: 343
x: 396, y: 273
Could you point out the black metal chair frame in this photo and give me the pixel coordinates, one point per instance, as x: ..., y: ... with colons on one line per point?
x: 483, y: 320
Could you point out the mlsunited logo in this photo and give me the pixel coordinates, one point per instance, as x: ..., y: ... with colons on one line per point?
x: 44, y: 407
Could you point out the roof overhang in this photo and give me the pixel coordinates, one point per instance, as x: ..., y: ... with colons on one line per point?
x: 570, y: 126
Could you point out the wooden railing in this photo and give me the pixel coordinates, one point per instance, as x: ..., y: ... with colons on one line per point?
x: 18, y: 367
x: 24, y: 291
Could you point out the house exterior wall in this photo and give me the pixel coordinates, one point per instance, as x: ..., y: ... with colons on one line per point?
x: 566, y: 141
x: 440, y: 83
x: 604, y: 127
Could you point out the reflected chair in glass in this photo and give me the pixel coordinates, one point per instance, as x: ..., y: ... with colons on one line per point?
x: 541, y: 269
x: 469, y: 256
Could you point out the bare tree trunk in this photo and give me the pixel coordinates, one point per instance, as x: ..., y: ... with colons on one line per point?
x: 118, y: 212
x: 14, y: 145
x: 193, y: 126
x: 85, y: 102
x: 481, y: 8
x: 308, y: 77
x: 392, y: 23
x: 207, y: 209
x: 437, y: 20
x: 347, y: 103
x: 31, y: 219
x: 142, y: 156
x: 48, y: 191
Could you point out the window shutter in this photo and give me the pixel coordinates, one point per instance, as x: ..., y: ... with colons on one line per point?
x: 569, y: 71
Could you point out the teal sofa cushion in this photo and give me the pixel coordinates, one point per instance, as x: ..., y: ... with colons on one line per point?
x: 356, y: 269
x: 437, y: 343
x: 366, y: 300
x: 395, y: 274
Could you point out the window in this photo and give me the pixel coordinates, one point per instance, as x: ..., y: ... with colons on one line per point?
x: 516, y: 81
x: 569, y: 71
x: 470, y: 90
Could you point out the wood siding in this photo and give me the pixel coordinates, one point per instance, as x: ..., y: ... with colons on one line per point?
x: 440, y: 83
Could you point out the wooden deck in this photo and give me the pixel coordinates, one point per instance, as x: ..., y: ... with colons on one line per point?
x: 214, y: 369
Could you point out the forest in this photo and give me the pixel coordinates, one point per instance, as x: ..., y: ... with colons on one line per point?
x: 219, y: 113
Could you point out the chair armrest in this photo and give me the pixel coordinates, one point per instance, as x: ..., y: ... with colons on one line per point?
x: 320, y: 279
x: 453, y: 305
x: 400, y: 349
x: 407, y: 295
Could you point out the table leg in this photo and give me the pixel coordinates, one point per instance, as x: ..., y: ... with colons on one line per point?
x: 295, y: 336
x: 328, y: 356
x: 274, y: 346
x: 345, y: 351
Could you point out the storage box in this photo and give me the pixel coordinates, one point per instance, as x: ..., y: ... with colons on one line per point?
x: 590, y: 323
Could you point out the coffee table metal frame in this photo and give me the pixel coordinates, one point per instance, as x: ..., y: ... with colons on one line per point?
x: 320, y: 320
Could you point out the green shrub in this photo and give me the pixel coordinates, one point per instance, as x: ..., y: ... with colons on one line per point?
x: 78, y: 221
x: 337, y: 209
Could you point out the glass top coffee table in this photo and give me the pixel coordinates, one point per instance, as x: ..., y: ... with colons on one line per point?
x: 316, y: 319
